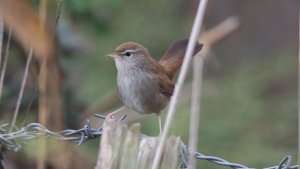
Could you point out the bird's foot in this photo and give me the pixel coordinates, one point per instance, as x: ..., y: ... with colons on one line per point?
x: 112, y: 117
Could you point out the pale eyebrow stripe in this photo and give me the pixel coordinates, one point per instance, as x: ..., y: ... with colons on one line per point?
x: 130, y: 50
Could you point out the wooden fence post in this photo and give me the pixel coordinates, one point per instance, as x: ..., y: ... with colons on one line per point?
x: 122, y: 148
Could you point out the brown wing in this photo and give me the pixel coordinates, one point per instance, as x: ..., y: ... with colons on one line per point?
x: 166, y: 85
x: 172, y: 59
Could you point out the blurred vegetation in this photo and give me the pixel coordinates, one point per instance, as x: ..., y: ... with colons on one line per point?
x: 249, y: 102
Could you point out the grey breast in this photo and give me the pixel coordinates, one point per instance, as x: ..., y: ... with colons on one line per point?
x: 140, y: 92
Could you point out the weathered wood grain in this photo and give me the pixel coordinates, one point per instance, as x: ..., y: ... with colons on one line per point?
x: 122, y: 148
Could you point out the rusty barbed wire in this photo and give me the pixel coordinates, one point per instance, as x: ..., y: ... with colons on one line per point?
x: 13, y: 141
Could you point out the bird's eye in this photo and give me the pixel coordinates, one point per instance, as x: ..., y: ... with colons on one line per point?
x: 128, y: 54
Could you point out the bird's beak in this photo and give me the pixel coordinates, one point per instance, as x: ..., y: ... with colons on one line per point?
x: 113, y: 55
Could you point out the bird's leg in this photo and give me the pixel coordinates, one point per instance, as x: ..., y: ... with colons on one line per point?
x: 111, y: 115
x: 160, y: 125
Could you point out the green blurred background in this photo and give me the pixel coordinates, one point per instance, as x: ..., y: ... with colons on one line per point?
x: 249, y: 98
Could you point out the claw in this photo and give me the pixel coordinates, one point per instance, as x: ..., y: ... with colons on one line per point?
x: 100, y: 116
x: 112, y: 117
x: 122, y: 118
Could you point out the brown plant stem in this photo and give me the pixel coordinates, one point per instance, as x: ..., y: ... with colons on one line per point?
x: 4, y: 63
x: 29, y: 58
x: 43, y: 92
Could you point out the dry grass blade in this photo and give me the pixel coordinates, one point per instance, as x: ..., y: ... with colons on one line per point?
x: 195, y: 108
x: 29, y: 58
x: 220, y: 31
x: 43, y: 90
x: 182, y: 74
x: 208, y: 38
x: 4, y: 63
x: 58, y: 14
x: 299, y: 95
x: 42, y: 113
x: 1, y: 44
x: 1, y: 37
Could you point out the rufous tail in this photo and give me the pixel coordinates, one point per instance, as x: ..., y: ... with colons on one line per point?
x: 172, y: 59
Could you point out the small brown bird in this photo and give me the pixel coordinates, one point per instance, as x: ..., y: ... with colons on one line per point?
x: 144, y: 84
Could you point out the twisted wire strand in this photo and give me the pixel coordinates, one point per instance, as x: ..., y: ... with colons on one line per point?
x: 212, y: 159
x: 285, y: 163
x: 13, y: 142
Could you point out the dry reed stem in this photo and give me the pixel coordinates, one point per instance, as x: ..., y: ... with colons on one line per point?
x: 58, y: 14
x: 43, y: 92
x: 208, y: 38
x: 195, y: 107
x: 299, y: 93
x: 220, y: 31
x: 42, y: 112
x: 43, y: 12
x: 1, y: 37
x: 58, y: 156
x: 29, y: 58
x: 4, y: 63
x: 182, y: 74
